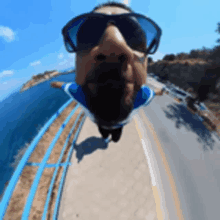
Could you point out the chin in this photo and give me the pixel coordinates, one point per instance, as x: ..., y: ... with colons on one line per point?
x: 110, y: 105
x: 108, y: 94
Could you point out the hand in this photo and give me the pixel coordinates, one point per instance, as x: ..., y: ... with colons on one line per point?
x: 158, y: 92
x: 56, y: 84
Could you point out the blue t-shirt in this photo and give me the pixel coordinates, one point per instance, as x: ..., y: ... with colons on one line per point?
x: 144, y: 97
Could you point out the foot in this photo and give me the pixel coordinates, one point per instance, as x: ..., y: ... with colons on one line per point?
x: 104, y: 132
x: 116, y: 134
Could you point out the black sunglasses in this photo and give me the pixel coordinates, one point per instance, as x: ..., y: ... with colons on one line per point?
x: 85, y: 31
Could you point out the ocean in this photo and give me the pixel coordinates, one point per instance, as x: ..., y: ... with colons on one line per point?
x: 22, y: 115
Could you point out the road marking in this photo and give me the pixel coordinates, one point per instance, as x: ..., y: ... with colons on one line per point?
x: 166, y: 166
x: 153, y: 180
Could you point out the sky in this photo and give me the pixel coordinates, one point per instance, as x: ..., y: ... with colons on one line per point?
x: 31, y: 40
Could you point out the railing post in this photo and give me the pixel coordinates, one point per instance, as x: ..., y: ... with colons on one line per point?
x: 56, y: 170
x: 40, y: 170
x: 10, y: 188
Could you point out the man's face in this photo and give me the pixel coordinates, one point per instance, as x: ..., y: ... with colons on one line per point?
x: 111, y: 74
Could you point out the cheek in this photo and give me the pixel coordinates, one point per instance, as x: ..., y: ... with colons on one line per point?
x: 83, y: 67
x: 129, y: 93
x: 140, y: 68
x: 128, y: 73
x: 140, y: 72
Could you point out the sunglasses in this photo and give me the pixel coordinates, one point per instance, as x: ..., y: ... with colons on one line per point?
x: 85, y: 31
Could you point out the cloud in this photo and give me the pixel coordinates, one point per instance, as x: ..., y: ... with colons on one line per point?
x: 35, y: 63
x: 61, y: 56
x: 10, y: 85
x: 6, y: 73
x: 63, y: 62
x: 72, y: 55
x: 66, y: 63
x: 127, y: 2
x: 7, y: 33
x: 7, y: 88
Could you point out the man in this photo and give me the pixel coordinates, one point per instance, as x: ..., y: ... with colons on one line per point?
x: 111, y: 46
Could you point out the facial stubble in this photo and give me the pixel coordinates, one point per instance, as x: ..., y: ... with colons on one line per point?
x: 108, y: 95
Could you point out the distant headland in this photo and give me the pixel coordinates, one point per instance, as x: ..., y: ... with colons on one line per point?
x: 42, y: 77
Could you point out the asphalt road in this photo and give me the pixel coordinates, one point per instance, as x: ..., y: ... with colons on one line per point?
x: 179, y: 180
x: 186, y: 160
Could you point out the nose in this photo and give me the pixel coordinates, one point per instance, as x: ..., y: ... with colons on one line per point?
x: 112, y: 46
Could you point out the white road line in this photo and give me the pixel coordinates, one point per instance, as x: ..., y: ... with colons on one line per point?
x: 154, y: 170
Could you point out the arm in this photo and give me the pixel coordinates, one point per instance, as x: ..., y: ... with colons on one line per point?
x: 158, y: 92
x: 71, y: 89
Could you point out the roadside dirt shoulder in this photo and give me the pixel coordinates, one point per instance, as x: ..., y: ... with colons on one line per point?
x: 21, y: 192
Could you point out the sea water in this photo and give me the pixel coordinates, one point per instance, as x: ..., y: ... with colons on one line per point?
x: 22, y: 115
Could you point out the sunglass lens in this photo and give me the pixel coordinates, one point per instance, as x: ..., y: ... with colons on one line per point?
x: 133, y: 33
x: 84, y: 32
x: 149, y: 30
x: 73, y: 29
x: 138, y: 31
x: 68, y: 46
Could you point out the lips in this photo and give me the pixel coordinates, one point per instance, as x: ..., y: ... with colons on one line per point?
x: 104, y: 72
x: 109, y: 96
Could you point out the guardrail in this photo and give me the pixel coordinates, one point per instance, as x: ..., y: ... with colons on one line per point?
x: 24, y: 162
x: 170, y: 89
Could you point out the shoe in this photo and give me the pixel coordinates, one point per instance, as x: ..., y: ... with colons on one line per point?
x: 104, y: 132
x: 116, y: 134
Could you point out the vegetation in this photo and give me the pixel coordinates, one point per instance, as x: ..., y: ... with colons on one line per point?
x: 197, y: 71
x: 150, y: 60
x: 218, y: 31
x: 170, y: 57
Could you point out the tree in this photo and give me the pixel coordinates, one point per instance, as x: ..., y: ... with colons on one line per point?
x: 206, y: 50
x: 169, y: 57
x: 194, y: 54
x: 208, y: 84
x: 182, y: 56
x: 150, y: 59
x: 218, y: 31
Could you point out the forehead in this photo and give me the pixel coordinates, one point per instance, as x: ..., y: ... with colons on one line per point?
x: 111, y: 10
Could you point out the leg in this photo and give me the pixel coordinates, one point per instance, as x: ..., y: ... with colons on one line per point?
x: 105, y: 133
x: 116, y: 134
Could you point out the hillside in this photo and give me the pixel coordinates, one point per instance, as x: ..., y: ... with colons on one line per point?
x: 197, y: 73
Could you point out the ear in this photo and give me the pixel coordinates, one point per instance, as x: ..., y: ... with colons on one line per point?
x: 146, y: 65
x: 146, y: 62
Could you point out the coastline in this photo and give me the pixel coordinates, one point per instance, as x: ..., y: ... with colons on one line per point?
x: 40, y: 78
x: 21, y: 192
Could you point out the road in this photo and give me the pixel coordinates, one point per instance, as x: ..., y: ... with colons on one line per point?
x: 166, y: 166
x: 108, y: 180
x: 186, y: 158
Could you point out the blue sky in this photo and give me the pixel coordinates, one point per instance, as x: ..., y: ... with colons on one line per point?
x: 31, y: 40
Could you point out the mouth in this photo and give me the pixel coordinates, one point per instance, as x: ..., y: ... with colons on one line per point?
x: 109, y: 96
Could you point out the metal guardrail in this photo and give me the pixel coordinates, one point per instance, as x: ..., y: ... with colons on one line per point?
x: 24, y: 162
x: 40, y: 170
x: 171, y: 89
x: 56, y: 170
x: 55, y: 215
